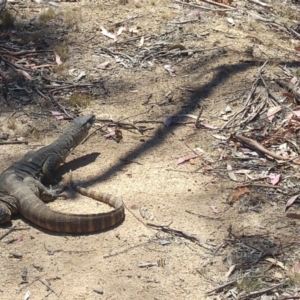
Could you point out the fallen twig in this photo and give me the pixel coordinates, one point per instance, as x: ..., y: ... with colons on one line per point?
x: 261, y: 3
x: 63, y: 87
x: 179, y: 233
x: 118, y: 54
x: 256, y: 146
x: 263, y: 291
x: 218, y: 4
x: 185, y: 21
x: 14, y: 142
x: 11, y: 230
x: 267, y: 186
x: 14, y: 66
x: 205, y: 7
x: 262, y: 252
x: 126, y: 250
x: 199, y: 115
x: 221, y: 287
x: 288, y: 87
x: 288, y: 298
x: 275, y: 101
x: 7, y: 233
x: 48, y: 286
x: 117, y: 24
x: 254, y: 86
x: 203, y: 216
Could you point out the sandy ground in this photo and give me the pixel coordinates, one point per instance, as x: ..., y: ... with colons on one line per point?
x: 133, y: 260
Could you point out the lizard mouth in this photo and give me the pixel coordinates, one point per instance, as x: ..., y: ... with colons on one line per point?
x: 91, y: 120
x: 88, y: 120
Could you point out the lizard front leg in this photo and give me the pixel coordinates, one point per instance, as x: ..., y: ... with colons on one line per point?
x: 8, y: 206
x: 41, y: 191
x: 50, y: 165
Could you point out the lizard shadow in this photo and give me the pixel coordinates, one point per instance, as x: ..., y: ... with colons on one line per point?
x: 75, y: 164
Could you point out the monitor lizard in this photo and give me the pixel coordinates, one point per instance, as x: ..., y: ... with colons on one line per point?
x: 21, y: 189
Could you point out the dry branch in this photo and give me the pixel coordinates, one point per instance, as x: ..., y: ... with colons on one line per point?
x: 256, y: 146
x: 261, y: 292
x: 204, y: 7
x: 218, y: 4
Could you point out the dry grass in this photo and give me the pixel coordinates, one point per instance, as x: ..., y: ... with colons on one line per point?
x: 47, y: 16
x: 7, y: 19
x: 11, y: 124
x: 80, y: 100
x: 62, y: 51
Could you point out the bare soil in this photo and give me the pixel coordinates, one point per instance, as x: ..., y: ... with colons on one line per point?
x: 222, y: 53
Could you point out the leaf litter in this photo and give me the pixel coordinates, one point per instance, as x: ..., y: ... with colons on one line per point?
x: 260, y: 137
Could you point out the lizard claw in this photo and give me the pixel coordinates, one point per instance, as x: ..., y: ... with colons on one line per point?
x: 55, y: 192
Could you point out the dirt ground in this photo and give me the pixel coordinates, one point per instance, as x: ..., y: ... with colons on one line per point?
x: 120, y: 62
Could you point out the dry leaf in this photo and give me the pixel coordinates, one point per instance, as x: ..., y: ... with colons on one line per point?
x: 272, y: 111
x: 209, y: 126
x: 227, y: 2
x: 167, y: 120
x: 242, y: 171
x: 133, y: 29
x: 79, y: 76
x: 186, y: 158
x: 230, y: 21
x: 238, y: 193
x: 57, y: 115
x: 111, y: 133
x: 214, y: 209
x: 103, y: 65
x: 118, y: 134
x: 196, y: 13
x: 290, y: 202
x: 274, y: 178
x: 278, y: 275
x: 220, y: 137
x: 292, y: 215
x: 20, y: 238
x: 198, y: 150
x: 296, y: 268
x: 120, y: 30
x: 294, y: 80
x: 170, y: 70
x: 25, y: 74
x: 288, y: 95
x: 227, y: 109
x: 141, y: 42
x: 50, y: 3
x: 261, y: 3
x: 57, y: 58
x: 207, y: 168
x: 230, y: 173
x: 245, y: 172
x: 27, y: 295
x: 297, y: 112
x: 108, y: 34
x: 231, y: 268
x: 276, y: 262
x: 296, y: 161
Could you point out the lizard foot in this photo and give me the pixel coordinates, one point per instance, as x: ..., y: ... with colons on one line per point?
x: 5, y: 213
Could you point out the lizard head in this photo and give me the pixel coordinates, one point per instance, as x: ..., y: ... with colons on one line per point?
x: 85, y: 122
x: 78, y: 130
